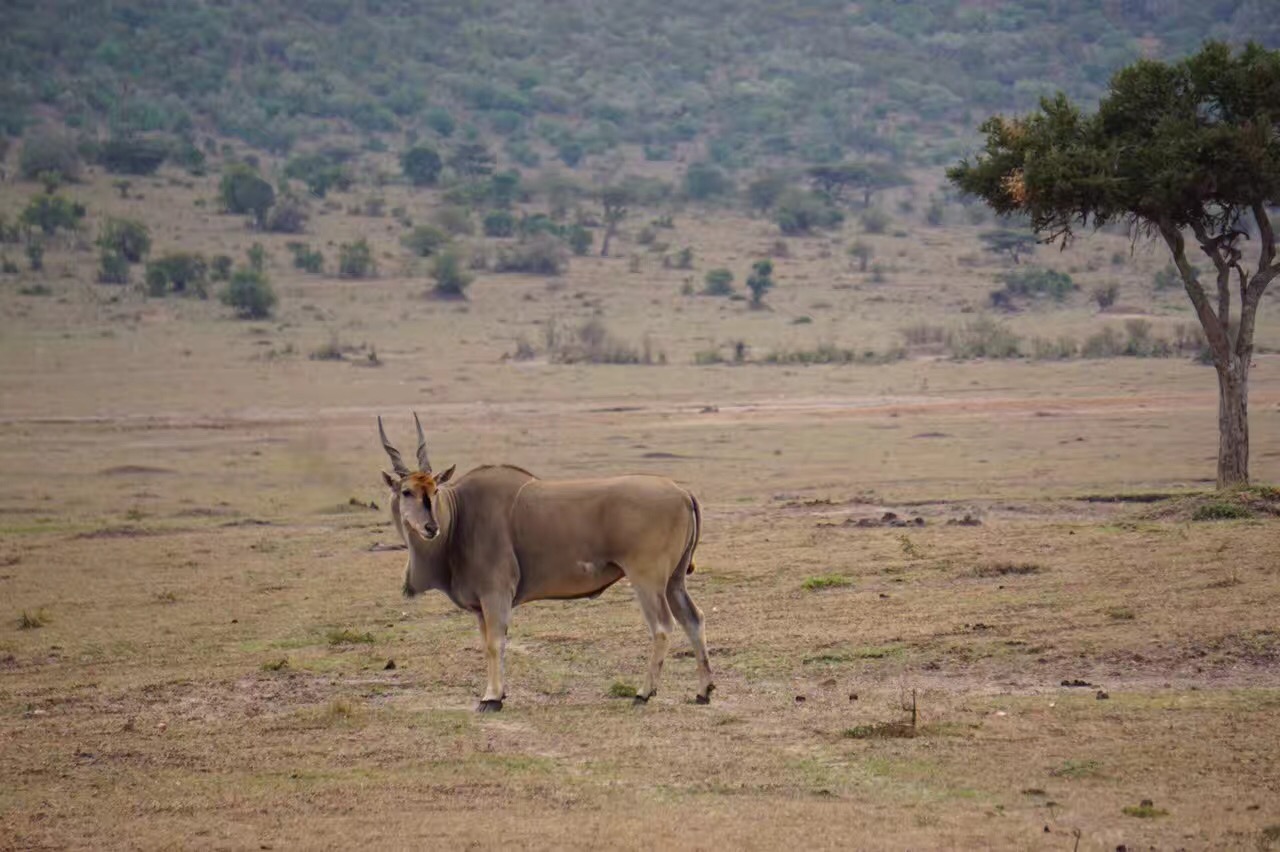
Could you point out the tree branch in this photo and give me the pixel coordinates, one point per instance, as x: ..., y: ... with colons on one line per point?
x: 1214, y: 248
x: 1213, y: 329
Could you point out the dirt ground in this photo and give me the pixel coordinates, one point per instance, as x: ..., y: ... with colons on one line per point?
x: 199, y: 606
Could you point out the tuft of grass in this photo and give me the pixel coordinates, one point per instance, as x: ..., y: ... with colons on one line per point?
x: 881, y: 730
x: 1077, y: 769
x: 32, y: 620
x: 276, y: 665
x: 1221, y: 510
x: 340, y: 710
x: 347, y: 636
x: 621, y: 689
x: 1007, y: 569
x: 1145, y: 810
x: 1270, y: 836
x: 1120, y: 613
x: 826, y: 581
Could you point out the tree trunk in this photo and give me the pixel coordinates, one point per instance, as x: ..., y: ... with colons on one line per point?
x: 608, y: 235
x: 1233, y: 421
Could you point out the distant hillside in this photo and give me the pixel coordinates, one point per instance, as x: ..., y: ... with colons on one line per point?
x: 741, y: 82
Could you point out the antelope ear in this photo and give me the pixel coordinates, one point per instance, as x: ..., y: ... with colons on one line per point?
x: 442, y: 478
x: 391, y: 481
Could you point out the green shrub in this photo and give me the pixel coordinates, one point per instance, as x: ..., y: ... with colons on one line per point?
x: 133, y: 155
x: 440, y: 121
x: 257, y: 256
x: 543, y: 254
x: 717, y: 282
x: 424, y: 240
x: 876, y: 221
x: 760, y: 281
x: 113, y: 268
x: 220, y: 268
x: 126, y: 238
x: 1062, y: 349
x: 243, y: 191
x: 49, y: 153
x: 355, y: 260
x: 798, y: 212
x: 499, y: 223
x: 250, y: 294
x: 983, y: 337
x: 706, y: 182
x: 580, y: 239
x: 179, y: 272
x: 35, y: 254
x: 1106, y: 294
x: 1106, y: 343
x: 450, y: 274
x: 1031, y: 282
x: 306, y: 258
x: 320, y: 171
x: 287, y: 216
x: 455, y: 220
x: 1221, y: 510
x: 51, y: 213
x: 421, y: 165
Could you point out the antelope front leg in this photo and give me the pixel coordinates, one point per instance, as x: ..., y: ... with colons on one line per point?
x: 493, y: 629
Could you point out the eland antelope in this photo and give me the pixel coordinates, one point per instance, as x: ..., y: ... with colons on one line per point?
x: 499, y: 536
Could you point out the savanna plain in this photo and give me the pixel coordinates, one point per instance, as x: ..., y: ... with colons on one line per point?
x: 203, y: 642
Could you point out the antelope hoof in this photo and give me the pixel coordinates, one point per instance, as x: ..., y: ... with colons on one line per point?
x: 705, y: 698
x: 640, y: 701
x: 490, y: 705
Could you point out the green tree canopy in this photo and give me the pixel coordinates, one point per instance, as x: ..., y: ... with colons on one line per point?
x: 421, y: 165
x: 1188, y: 150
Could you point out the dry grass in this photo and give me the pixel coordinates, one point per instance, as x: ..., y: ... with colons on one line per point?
x: 168, y: 492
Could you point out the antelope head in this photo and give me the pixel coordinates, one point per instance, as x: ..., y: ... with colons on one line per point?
x: 414, y: 494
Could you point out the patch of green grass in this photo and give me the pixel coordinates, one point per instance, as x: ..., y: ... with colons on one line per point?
x: 1145, y: 810
x: 825, y: 581
x: 1221, y: 510
x: 347, y: 636
x: 621, y: 689
x: 276, y: 665
x: 1121, y: 613
x: 1008, y: 569
x: 870, y: 652
x: 1077, y: 769
x: 32, y: 620
x: 881, y: 730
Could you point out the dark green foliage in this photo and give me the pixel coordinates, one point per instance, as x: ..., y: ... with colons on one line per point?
x: 424, y: 240
x: 706, y: 182
x: 113, y: 268
x: 51, y: 213
x: 571, y: 152
x: 455, y: 220
x: 257, y: 256
x: 250, y: 294
x: 127, y: 238
x: 7, y: 266
x: 320, y: 171
x: 178, y: 272
x: 760, y: 281
x: 499, y: 223
x: 220, y: 268
x: 450, y: 274
x: 471, y: 160
x: 797, y: 213
x: 133, y: 155
x: 306, y: 258
x: 46, y: 152
x: 718, y: 282
x: 243, y: 191
x: 580, y: 239
x: 1106, y: 294
x: 1010, y: 242
x: 504, y: 188
x: 835, y: 180
x: 35, y: 255
x: 1032, y: 282
x: 542, y: 254
x: 1221, y: 510
x: 875, y: 221
x: 355, y: 260
x: 287, y: 216
x: 421, y: 165
x: 440, y: 121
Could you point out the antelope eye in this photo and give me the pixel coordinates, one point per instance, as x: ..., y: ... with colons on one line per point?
x: 407, y: 493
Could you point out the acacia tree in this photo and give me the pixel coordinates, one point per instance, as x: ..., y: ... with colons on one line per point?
x: 1188, y: 150
x: 834, y: 179
x: 614, y: 200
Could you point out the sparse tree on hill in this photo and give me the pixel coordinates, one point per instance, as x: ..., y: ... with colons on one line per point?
x: 472, y: 160
x: 760, y: 281
x: 1010, y: 242
x: 243, y: 191
x: 1182, y: 151
x: 834, y: 179
x: 421, y: 165
x: 614, y: 200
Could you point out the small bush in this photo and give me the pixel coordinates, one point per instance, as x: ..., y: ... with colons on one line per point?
x: 826, y: 581
x: 126, y: 238
x: 499, y: 223
x: 133, y: 155
x: 421, y: 165
x: 924, y: 334
x: 287, y: 216
x: 220, y: 268
x: 682, y: 259
x: 347, y: 636
x: 179, y: 272
x: 1145, y: 810
x: 250, y: 294
x: 113, y: 268
x: 1106, y: 294
x: 620, y: 689
x: 424, y: 240
x: 580, y: 239
x: 35, y: 255
x: 983, y: 337
x: 798, y: 212
x: 718, y: 282
x: 355, y: 260
x: 1106, y: 343
x: 593, y: 343
x: 1064, y: 348
x: 876, y: 221
x: 455, y: 220
x: 48, y: 152
x: 760, y: 281
x: 1032, y: 282
x: 306, y: 258
x: 51, y: 213
x: 541, y: 255
x: 450, y: 274
x: 243, y: 191
x: 1221, y: 510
